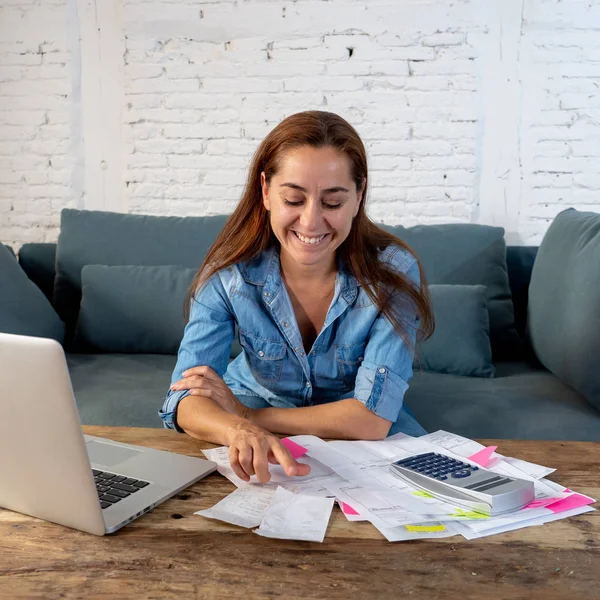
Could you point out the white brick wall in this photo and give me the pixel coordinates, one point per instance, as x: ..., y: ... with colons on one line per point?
x: 471, y: 110
x: 560, y: 135
x: 35, y: 119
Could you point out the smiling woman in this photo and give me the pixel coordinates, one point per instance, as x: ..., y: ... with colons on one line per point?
x: 327, y: 304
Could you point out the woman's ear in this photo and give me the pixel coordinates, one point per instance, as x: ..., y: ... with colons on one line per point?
x: 265, y: 191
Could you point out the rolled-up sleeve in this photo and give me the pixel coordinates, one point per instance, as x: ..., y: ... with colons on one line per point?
x: 382, y: 378
x: 206, y: 341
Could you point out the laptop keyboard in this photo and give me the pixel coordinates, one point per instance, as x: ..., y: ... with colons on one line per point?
x: 112, y: 488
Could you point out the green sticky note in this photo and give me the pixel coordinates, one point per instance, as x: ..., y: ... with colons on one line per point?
x: 468, y: 514
x: 422, y: 494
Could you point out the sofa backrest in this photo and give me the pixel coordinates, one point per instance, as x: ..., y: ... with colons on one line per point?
x: 115, y: 239
x: 519, y: 260
x: 39, y: 262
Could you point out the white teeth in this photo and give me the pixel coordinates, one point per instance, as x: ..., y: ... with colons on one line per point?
x: 308, y: 240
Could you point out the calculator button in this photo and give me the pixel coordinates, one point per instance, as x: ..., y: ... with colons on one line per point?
x: 442, y: 477
x: 474, y: 468
x: 462, y: 473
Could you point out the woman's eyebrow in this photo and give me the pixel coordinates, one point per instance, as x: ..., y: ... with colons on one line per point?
x: 330, y: 190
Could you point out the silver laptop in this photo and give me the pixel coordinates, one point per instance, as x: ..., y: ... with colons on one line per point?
x: 50, y: 470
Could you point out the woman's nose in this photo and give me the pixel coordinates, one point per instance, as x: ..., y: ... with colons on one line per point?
x: 311, y: 216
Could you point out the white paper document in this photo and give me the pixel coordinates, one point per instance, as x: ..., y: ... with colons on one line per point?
x: 245, y: 507
x: 357, y: 475
x: 221, y: 457
x: 296, y: 517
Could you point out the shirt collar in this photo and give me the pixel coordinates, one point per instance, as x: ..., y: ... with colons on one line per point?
x: 264, y: 270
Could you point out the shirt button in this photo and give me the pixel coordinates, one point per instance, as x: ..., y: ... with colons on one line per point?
x: 284, y: 323
x: 261, y: 353
x: 308, y: 384
x: 268, y: 294
x: 381, y: 370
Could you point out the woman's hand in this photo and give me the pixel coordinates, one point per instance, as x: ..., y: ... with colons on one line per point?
x: 203, y: 381
x: 252, y: 448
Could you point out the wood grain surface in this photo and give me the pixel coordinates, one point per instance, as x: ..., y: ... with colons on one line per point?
x: 172, y: 553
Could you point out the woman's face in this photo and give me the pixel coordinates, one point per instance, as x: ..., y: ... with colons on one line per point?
x: 312, y: 200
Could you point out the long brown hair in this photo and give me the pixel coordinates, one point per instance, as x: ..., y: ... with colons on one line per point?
x: 248, y: 231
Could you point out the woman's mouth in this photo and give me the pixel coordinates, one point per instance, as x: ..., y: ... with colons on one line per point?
x: 310, y: 241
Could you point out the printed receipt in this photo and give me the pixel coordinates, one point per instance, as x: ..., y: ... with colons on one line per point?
x: 296, y: 517
x: 245, y: 507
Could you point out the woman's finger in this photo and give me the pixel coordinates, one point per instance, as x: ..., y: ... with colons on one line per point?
x: 235, y: 464
x: 192, y: 382
x: 246, y: 459
x: 205, y: 393
x: 202, y: 371
x: 261, y: 464
x: 290, y: 466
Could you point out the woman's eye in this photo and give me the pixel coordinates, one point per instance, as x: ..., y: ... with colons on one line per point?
x: 332, y: 206
x: 293, y: 202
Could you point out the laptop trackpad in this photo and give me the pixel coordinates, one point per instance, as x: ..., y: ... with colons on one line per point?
x: 108, y: 454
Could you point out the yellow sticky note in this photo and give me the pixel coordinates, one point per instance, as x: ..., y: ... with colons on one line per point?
x: 425, y: 528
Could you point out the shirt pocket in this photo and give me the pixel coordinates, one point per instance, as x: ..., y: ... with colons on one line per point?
x: 265, y: 357
x: 349, y: 358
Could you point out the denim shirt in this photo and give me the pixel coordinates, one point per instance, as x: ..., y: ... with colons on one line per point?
x: 357, y: 354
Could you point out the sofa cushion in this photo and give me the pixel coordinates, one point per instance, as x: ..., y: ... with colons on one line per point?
x: 521, y: 402
x: 460, y: 343
x: 132, y: 308
x: 105, y: 238
x: 120, y: 389
x: 564, y: 302
x: 23, y: 308
x: 469, y: 254
x: 38, y: 261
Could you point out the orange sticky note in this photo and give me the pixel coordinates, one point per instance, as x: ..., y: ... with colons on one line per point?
x: 484, y: 456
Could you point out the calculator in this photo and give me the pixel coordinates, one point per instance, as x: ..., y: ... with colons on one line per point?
x: 464, y: 484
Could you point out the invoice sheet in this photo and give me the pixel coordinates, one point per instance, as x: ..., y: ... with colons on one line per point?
x: 245, y: 507
x: 296, y: 517
x: 464, y: 447
x: 465, y: 529
x: 423, y: 531
x: 221, y: 457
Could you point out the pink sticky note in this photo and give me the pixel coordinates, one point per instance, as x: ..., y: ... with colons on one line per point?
x: 347, y: 509
x: 573, y: 501
x: 483, y: 456
x: 557, y: 505
x: 543, y: 502
x: 296, y: 449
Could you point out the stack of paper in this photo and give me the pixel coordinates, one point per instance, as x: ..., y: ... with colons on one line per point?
x: 356, y: 473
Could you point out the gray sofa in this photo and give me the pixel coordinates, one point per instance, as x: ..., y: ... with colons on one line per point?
x: 523, y: 400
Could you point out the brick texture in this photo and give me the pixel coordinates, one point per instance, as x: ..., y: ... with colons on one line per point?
x: 203, y: 82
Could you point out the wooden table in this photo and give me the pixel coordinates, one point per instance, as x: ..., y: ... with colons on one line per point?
x: 172, y: 553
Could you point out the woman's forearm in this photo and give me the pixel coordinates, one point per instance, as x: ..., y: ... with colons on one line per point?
x: 204, y: 419
x: 344, y: 419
